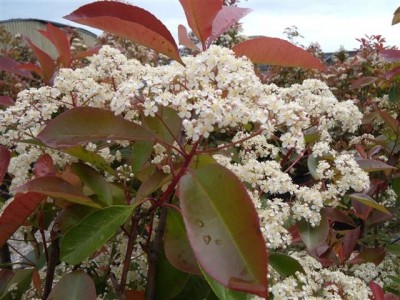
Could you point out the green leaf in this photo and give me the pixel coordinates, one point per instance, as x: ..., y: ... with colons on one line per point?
x: 154, y: 182
x: 80, y: 125
x: 21, y: 279
x: 176, y: 245
x: 56, y: 187
x: 76, y: 285
x: 196, y: 288
x: 393, y: 248
x: 169, y: 280
x: 90, y: 157
x: 394, y: 94
x: 284, y: 264
x: 95, y: 181
x: 141, y: 152
x: 218, y: 213
x: 224, y: 293
x: 166, y: 127
x: 92, y: 232
x: 313, y: 236
x: 312, y: 163
x: 367, y: 200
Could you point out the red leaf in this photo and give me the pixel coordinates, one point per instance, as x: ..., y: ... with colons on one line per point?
x: 372, y: 165
x: 363, y: 81
x: 31, y: 67
x: 392, y: 73
x: 350, y: 240
x: 223, y: 228
x: 390, y: 296
x: 390, y: 55
x: 85, y: 124
x: 10, y: 65
x: 88, y: 52
x: 373, y: 255
x: 47, y: 64
x: 274, y: 51
x: 56, y: 187
x: 74, y: 285
x: 389, y: 120
x: 16, y: 212
x: 225, y: 19
x: 200, y: 16
x: 130, y: 22
x: 176, y: 245
x: 336, y: 215
x: 184, y: 39
x: 6, y: 101
x: 5, y: 156
x: 376, y: 291
x: 61, y: 41
x: 44, y: 166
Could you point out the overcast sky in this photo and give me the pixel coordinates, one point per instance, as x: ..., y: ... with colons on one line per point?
x: 330, y: 22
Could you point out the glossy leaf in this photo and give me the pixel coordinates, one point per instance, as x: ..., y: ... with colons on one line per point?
x: 389, y: 75
x: 225, y: 19
x: 372, y: 255
x: 154, y: 182
x: 396, y: 16
x: 372, y: 165
x: 47, y: 65
x: 224, y: 293
x: 129, y: 22
x: 9, y: 65
x: 390, y: 121
x: 5, y: 157
x: 6, y: 101
x: 367, y: 200
x: 61, y: 41
x: 141, y: 151
x: 284, y: 264
x: 376, y: 290
x: 90, y: 157
x: 218, y: 213
x: 169, y: 280
x: 95, y: 181
x: 76, y: 285
x: 361, y: 82
x: 86, y: 124
x: 274, y: 51
x: 92, y: 232
x: 314, y: 236
x: 394, y: 94
x: 89, y: 52
x: 312, y: 164
x: 184, y: 39
x: 5, y: 277
x: 200, y: 16
x: 166, y: 126
x: 20, y: 280
x: 56, y: 187
x: 350, y: 240
x: 16, y: 213
x: 337, y: 215
x: 176, y: 245
x: 196, y: 288
x: 44, y: 166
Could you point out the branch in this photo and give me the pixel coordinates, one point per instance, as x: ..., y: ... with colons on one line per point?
x: 51, y: 266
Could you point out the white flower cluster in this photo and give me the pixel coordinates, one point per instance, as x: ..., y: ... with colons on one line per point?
x: 216, y: 93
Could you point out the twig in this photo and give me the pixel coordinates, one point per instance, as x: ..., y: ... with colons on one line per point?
x: 129, y: 250
x: 51, y: 266
x: 153, y: 254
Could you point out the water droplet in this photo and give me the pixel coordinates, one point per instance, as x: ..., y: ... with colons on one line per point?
x: 206, y: 239
x: 200, y: 223
x: 218, y: 242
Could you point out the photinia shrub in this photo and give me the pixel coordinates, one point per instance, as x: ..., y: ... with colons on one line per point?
x: 191, y: 179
